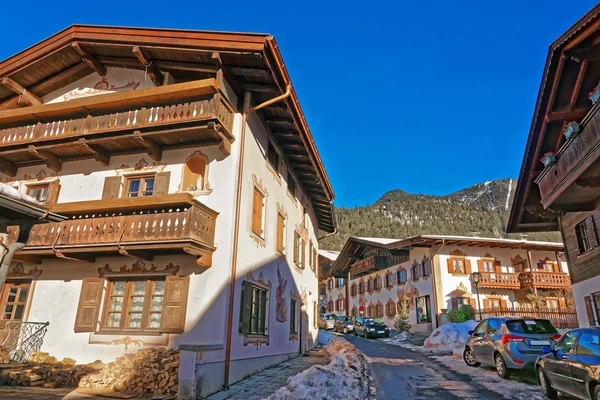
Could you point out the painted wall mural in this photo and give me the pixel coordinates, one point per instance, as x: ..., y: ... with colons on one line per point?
x: 281, y: 305
x: 409, y: 294
x: 101, y: 87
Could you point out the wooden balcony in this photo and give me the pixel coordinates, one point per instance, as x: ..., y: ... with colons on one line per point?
x: 500, y: 280
x: 544, y: 280
x: 188, y: 228
x: 149, y: 121
x: 572, y: 183
x: 369, y: 264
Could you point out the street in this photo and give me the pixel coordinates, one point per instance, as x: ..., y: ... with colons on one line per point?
x: 405, y: 374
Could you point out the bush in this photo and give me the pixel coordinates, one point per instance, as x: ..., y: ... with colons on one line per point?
x: 401, y: 321
x: 462, y: 314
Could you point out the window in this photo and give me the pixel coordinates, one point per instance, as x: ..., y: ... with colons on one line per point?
x: 458, y: 302
x: 370, y: 285
x: 39, y: 192
x: 322, y: 291
x: 280, y: 233
x: 481, y: 329
x: 423, y: 309
x: 417, y: 271
x: 459, y: 266
x: 339, y: 306
x: 297, y: 249
x: 379, y: 310
x: 258, y: 204
x: 137, y: 186
x: 354, y: 312
x: 427, y: 268
x: 552, y: 304
x: 391, y: 309
x: 339, y: 282
x: 488, y: 266
x: 401, y: 276
x: 134, y: 305
x: 254, y: 309
x: 493, y: 326
x: 586, y: 235
x: 330, y: 284
x: 566, y: 343
x: 14, y: 300
x: 361, y: 288
x: 273, y: 157
x: 376, y: 284
x: 370, y: 311
x: 389, y: 280
x: 291, y: 182
x: 330, y: 306
x: 353, y: 289
x: 293, y: 316
x: 588, y: 344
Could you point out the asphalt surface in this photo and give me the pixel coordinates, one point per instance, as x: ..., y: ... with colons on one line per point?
x: 405, y: 374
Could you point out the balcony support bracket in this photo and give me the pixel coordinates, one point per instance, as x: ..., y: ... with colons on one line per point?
x: 52, y: 161
x: 153, y: 149
x: 89, y: 59
x: 100, y: 154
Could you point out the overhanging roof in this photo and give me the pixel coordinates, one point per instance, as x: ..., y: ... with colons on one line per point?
x: 250, y: 62
x: 562, y: 98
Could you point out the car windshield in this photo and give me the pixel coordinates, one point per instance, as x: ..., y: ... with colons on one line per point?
x: 530, y: 326
x: 373, y: 321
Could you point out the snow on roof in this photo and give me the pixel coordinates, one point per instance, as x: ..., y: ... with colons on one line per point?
x: 485, y: 239
x: 330, y: 254
x: 377, y: 240
x: 12, y: 193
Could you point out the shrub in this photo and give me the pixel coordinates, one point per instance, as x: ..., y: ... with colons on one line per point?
x: 462, y: 314
x: 401, y: 321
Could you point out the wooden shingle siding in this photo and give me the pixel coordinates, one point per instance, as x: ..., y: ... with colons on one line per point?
x: 581, y: 266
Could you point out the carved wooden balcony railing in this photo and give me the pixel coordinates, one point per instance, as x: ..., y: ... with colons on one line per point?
x: 151, y: 120
x: 545, y: 280
x: 573, y: 159
x: 500, y: 280
x: 188, y: 229
x: 369, y: 264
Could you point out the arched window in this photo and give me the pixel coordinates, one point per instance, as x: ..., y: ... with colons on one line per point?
x: 194, y: 174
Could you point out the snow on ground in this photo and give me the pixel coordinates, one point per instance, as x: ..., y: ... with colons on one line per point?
x: 345, y: 377
x: 450, y: 336
x: 397, y: 340
x: 512, y: 388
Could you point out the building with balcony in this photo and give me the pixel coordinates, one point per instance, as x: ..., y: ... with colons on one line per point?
x: 559, y: 182
x: 333, y: 291
x: 190, y: 193
x: 431, y: 274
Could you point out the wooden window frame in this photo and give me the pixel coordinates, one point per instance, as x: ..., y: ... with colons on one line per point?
x: 31, y: 187
x: 426, y: 268
x: 293, y: 312
x: 370, y: 286
x: 353, y: 289
x: 390, y: 312
x: 254, y: 310
x: 126, y: 307
x: 142, y: 178
x: 378, y: 310
x: 401, y: 274
x: 281, y: 233
x: 361, y: 287
x: 16, y: 303
x: 376, y: 283
x: 583, y: 237
x: 428, y: 306
x: 259, y: 219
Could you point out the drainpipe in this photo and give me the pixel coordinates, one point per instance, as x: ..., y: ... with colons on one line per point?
x: 435, y: 299
x: 7, y: 255
x: 246, y: 110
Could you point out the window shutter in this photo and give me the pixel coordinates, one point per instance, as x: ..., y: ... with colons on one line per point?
x: 53, y: 191
x: 480, y: 265
x: 161, y: 182
x: 503, y: 304
x: 112, y: 187
x: 591, y: 231
x: 589, y: 310
x: 450, y: 266
x: 562, y: 303
x: 497, y: 266
x: 572, y: 245
x: 487, y: 303
x: 175, y: 304
x: 473, y: 303
x: 246, y: 307
x: 88, y: 309
x: 454, y: 303
x: 467, y: 266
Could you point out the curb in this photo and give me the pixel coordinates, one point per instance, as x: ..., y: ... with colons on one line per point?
x: 379, y: 393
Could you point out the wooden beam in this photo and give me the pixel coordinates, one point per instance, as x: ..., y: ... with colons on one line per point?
x: 52, y: 161
x: 255, y: 87
x: 100, y: 153
x: 89, y: 59
x: 25, y: 96
x: 79, y: 257
x: 225, y: 147
x: 124, y: 204
x: 161, y: 65
x: 254, y: 72
x: 155, y: 75
x: 154, y: 150
x: 569, y: 115
x: 582, y: 36
x: 576, y: 89
x: 8, y: 168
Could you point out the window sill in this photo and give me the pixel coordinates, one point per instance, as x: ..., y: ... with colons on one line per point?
x: 258, y: 239
x: 129, y: 333
x: 256, y: 336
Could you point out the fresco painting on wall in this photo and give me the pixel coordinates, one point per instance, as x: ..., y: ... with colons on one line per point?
x: 281, y: 306
x: 408, y: 294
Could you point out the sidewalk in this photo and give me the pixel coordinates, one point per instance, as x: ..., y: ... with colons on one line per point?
x: 263, y: 384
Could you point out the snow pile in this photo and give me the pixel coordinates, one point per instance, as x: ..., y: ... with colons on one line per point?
x: 14, y: 194
x: 345, y: 377
x: 399, y: 338
x: 450, y: 336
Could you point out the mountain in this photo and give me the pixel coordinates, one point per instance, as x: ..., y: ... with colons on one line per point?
x: 481, y: 209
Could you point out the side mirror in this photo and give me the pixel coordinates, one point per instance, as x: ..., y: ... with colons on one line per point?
x: 471, y: 333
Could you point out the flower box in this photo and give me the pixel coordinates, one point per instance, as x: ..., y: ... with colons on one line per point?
x: 594, y: 95
x: 572, y: 129
x: 548, y: 159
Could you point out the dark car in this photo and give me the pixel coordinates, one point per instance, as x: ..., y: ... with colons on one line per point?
x: 343, y: 324
x: 572, y: 365
x: 509, y: 343
x: 370, y: 328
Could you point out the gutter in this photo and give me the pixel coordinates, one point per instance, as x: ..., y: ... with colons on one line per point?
x: 30, y: 210
x: 433, y: 282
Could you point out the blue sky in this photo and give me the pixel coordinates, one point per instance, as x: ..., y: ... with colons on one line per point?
x: 427, y: 97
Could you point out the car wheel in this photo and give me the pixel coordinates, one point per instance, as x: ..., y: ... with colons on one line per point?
x: 501, y: 369
x: 469, y: 358
x: 546, y: 388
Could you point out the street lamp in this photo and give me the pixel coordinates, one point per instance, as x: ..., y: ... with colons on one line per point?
x: 475, y: 280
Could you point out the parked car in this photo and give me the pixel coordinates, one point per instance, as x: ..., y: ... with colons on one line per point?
x: 327, y: 321
x: 344, y: 324
x: 509, y: 343
x: 370, y: 327
x: 572, y: 365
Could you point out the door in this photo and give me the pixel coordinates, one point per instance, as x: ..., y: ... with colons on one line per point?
x: 477, y: 341
x: 13, y: 301
x: 587, y: 353
x: 487, y: 344
x: 558, y: 366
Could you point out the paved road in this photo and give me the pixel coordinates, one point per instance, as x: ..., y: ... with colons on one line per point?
x: 405, y: 374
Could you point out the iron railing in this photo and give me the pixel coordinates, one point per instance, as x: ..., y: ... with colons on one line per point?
x: 22, y: 339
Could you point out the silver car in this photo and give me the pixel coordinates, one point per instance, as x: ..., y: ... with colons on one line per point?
x: 509, y: 343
